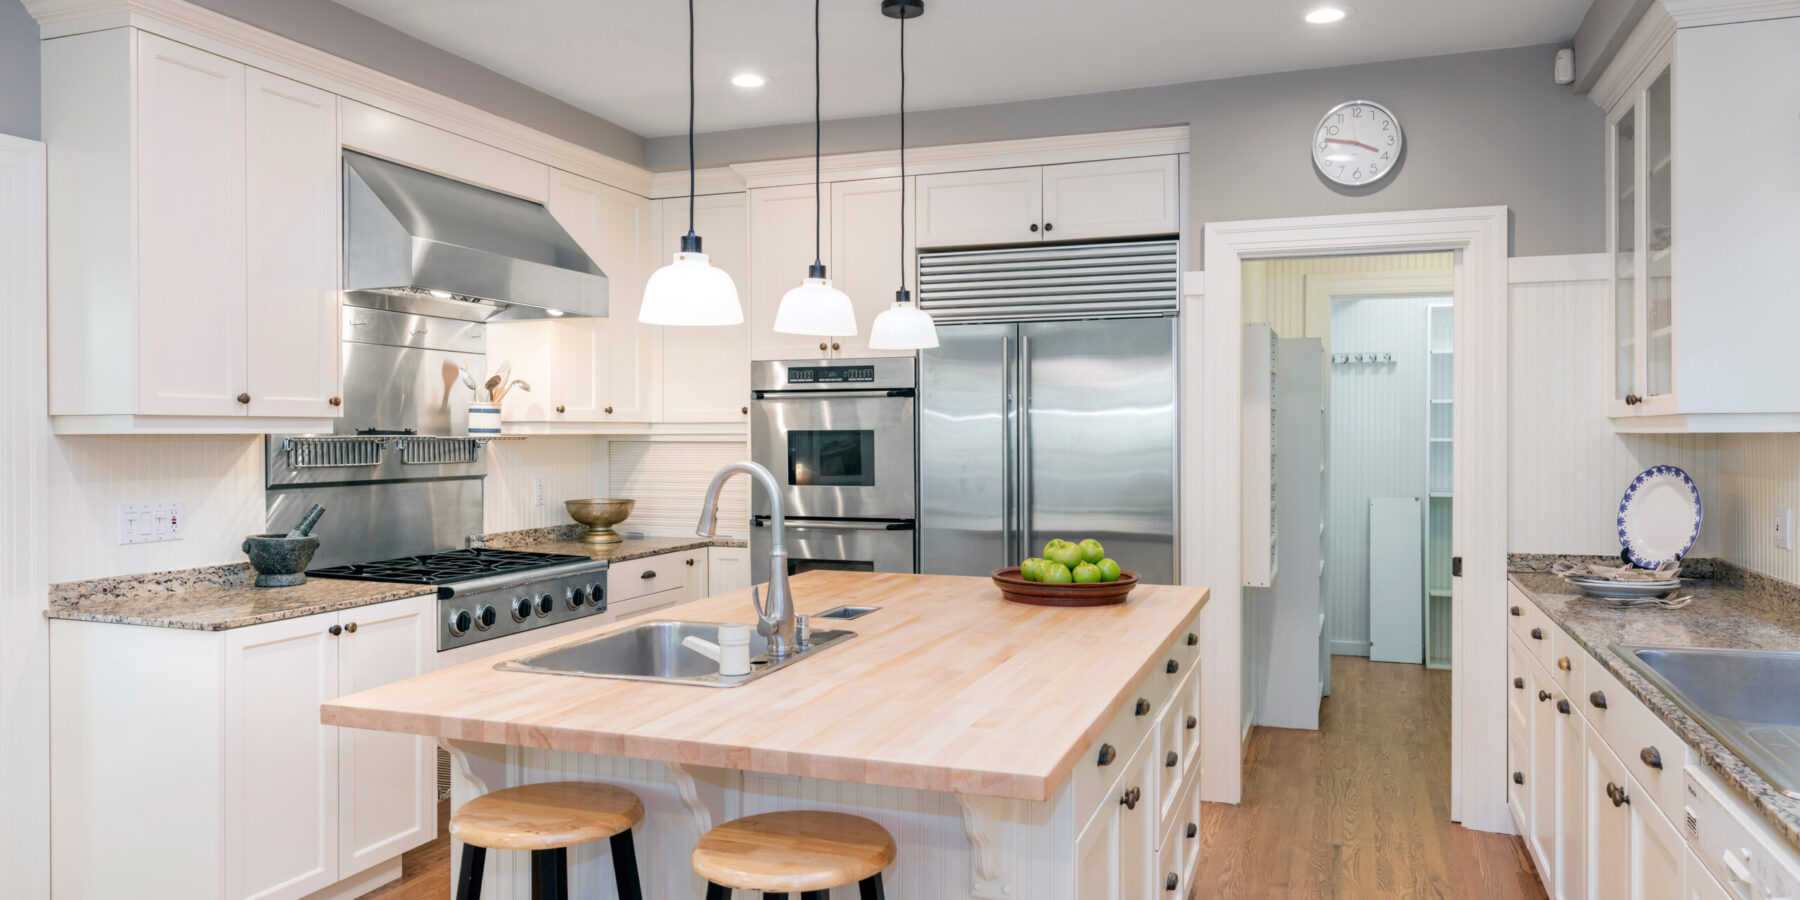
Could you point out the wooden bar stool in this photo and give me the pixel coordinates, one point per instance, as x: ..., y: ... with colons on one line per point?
x: 809, y: 851
x: 547, y: 819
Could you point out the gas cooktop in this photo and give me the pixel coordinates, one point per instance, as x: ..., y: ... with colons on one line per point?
x: 448, y: 567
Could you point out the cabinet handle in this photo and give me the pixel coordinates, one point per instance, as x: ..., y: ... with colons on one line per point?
x: 1192, y: 723
x: 1142, y: 708
x: 1047, y: 227
x: 334, y: 631
x: 1563, y: 663
x: 1537, y: 634
x: 1517, y: 612
x: 690, y: 561
x: 1107, y: 755
x: 1130, y: 798
x: 648, y: 573
x: 821, y: 345
x: 1598, y: 699
x: 1192, y: 829
x: 745, y: 410
x: 559, y: 407
x: 1518, y: 778
x: 1034, y: 228
x: 1651, y: 757
x: 834, y: 345
x: 1617, y: 794
x: 1170, y: 881
x: 1192, y: 639
x: 609, y: 410
x: 336, y: 401
x: 243, y: 398
x: 1633, y: 399
x: 1172, y: 667
x: 1519, y: 683
x: 1562, y: 706
x: 1543, y: 695
x: 350, y: 628
x: 1170, y: 760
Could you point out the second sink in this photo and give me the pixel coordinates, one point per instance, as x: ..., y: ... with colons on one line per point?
x: 1748, y: 699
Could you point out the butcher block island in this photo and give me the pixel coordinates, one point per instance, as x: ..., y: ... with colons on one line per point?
x: 1012, y: 751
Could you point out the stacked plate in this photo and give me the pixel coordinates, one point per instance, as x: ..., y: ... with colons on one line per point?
x: 1623, y: 590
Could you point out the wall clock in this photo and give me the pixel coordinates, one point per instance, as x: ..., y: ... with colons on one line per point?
x: 1357, y: 143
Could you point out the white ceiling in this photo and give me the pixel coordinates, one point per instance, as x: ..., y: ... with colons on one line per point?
x: 626, y: 60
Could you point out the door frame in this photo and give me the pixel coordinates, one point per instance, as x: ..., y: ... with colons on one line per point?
x: 1213, y: 400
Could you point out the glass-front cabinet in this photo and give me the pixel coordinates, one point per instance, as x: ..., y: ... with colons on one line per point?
x: 1641, y: 244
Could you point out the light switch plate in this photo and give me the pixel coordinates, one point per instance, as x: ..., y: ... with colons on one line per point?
x: 141, y: 523
x: 1784, y: 528
x: 537, y: 492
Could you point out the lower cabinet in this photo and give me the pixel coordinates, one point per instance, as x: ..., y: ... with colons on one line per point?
x: 1634, y: 851
x: 727, y: 570
x: 192, y: 764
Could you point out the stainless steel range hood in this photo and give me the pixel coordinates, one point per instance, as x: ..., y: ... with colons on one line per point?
x: 422, y: 243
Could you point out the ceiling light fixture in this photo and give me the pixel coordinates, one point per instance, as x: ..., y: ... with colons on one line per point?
x: 815, y: 307
x: 905, y: 326
x: 748, y: 80
x: 690, y: 290
x: 1325, y: 15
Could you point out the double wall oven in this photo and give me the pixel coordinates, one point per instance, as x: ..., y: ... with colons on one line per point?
x: 841, y: 436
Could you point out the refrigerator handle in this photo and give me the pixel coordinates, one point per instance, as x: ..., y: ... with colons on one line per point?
x: 1024, y: 461
x: 1006, y: 456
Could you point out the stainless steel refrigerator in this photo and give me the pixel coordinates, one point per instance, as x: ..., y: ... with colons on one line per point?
x: 1049, y: 408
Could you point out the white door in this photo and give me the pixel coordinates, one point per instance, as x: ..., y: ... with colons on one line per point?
x: 706, y: 369
x: 996, y: 206
x: 387, y: 796
x: 870, y: 253
x: 728, y: 569
x: 633, y: 351
x: 281, y: 765
x: 190, y: 248
x: 291, y: 241
x: 1608, y: 824
x: 1112, y: 198
x: 781, y: 249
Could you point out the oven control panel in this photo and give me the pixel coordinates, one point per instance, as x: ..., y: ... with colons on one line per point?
x: 807, y: 375
x: 482, y: 615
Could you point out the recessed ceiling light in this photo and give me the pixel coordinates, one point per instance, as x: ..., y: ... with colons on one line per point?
x: 1325, y: 15
x: 747, y: 80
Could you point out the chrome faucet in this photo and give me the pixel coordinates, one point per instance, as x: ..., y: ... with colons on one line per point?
x: 774, y: 619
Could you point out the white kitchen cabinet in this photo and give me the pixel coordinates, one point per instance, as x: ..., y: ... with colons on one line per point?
x: 1633, y: 852
x: 706, y: 369
x: 1073, y: 201
x: 231, y: 788
x: 728, y: 569
x: 781, y: 249
x: 1116, y: 851
x: 193, y: 241
x: 871, y: 253
x: 1568, y: 827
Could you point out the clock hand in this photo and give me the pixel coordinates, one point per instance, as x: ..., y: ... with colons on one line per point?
x: 1352, y: 143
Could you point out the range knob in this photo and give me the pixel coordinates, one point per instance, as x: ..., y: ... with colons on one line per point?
x: 485, y: 616
x: 460, y: 622
x: 596, y: 595
x: 545, y: 603
x: 575, y: 596
x: 521, y: 608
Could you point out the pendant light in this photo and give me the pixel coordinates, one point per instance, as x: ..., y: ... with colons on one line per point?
x: 815, y: 307
x: 690, y: 290
x: 905, y: 326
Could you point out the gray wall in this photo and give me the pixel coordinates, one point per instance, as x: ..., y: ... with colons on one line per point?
x: 19, y: 95
x: 1488, y: 128
x: 1603, y: 30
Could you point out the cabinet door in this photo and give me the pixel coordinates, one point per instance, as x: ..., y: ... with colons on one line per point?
x: 694, y: 561
x: 1701, y: 885
x: 728, y: 569
x: 633, y: 381
x: 387, y: 794
x: 870, y: 255
x: 291, y: 241
x: 191, y: 327
x: 1112, y: 198
x: 1659, y: 246
x: 1569, y: 816
x: 1657, y: 849
x: 1137, y: 823
x: 781, y: 248
x: 1622, y: 230
x: 1097, y: 855
x: 581, y: 359
x: 706, y: 369
x: 997, y: 206
x: 281, y: 765
x: 1608, y: 824
x: 1540, y: 780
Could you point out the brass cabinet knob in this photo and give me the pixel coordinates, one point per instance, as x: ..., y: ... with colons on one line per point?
x: 1048, y: 226
x: 745, y: 410
x: 1598, y: 699
x: 1651, y: 756
x: 351, y: 628
x: 1562, y: 706
x: 1633, y: 399
x: 1192, y: 639
x: 1537, y: 634
x: 1192, y: 829
x: 243, y: 398
x: 1170, y: 881
x: 1107, y: 755
x: 1563, y: 663
x: 690, y: 562
x: 1142, y: 708
x: 834, y: 345
x: 334, y: 631
x: 1170, y: 760
x: 1192, y: 722
x: 1519, y: 683
x: 559, y: 407
x: 821, y: 345
x: 609, y: 410
x: 336, y: 401
x: 1617, y: 794
x: 1543, y: 695
x: 1172, y: 667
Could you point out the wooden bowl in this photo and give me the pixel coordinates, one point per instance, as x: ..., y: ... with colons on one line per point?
x: 1014, y: 587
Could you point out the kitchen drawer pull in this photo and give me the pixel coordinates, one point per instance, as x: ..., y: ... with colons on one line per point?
x: 350, y: 628
x: 1543, y: 695
x: 1107, y: 754
x: 1651, y: 756
x: 243, y: 398
x: 1142, y: 708
x: 1598, y: 699
x: 1537, y: 634
x: 334, y: 631
x: 1617, y: 794
x: 1519, y: 683
x: 609, y: 410
x: 1192, y: 723
x: 648, y: 573
x: 690, y: 562
x: 560, y: 408
x: 1517, y: 612
x: 1192, y: 829
x: 1564, y: 663
x: 1562, y: 706
x: 1170, y: 760
x: 1172, y: 667
x: 1518, y: 778
x: 1130, y: 798
x: 1193, y: 639
x: 1171, y: 880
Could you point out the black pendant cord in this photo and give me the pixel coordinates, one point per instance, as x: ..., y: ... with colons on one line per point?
x: 690, y: 242
x: 818, y: 266
x: 901, y: 297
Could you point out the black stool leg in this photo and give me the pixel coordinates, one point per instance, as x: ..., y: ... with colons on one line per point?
x: 769, y: 896
x: 815, y: 895
x: 871, y: 888
x: 717, y: 892
x: 468, y: 884
x: 625, y: 866
x: 550, y: 874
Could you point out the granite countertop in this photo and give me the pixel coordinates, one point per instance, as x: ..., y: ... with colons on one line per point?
x: 1737, y: 609
x: 216, y: 598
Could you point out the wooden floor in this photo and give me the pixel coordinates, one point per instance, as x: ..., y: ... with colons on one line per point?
x: 1361, y: 807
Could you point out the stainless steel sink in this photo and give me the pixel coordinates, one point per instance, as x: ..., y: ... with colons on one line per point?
x: 652, y: 651
x: 1748, y: 699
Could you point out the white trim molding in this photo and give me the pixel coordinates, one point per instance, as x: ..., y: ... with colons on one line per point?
x: 970, y: 157
x: 1695, y: 13
x: 1641, y: 48
x: 1557, y: 269
x: 1479, y: 238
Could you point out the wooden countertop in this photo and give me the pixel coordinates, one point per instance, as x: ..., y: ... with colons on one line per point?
x: 947, y: 687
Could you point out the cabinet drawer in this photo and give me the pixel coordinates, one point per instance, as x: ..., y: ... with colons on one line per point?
x: 1172, y: 760
x: 1517, y: 605
x: 650, y: 575
x: 1603, y: 704
x: 1519, y: 776
x: 1186, y: 649
x: 1650, y: 750
x: 1518, y: 681
x: 1569, y: 662
x: 1187, y: 707
x: 621, y: 610
x: 1188, y: 828
x: 1168, y: 879
x: 1100, y: 767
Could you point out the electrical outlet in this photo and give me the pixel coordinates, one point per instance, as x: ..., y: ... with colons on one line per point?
x: 141, y: 523
x: 537, y: 492
x: 1784, y: 528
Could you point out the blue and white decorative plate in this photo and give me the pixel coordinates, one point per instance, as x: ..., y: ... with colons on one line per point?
x: 1659, y: 519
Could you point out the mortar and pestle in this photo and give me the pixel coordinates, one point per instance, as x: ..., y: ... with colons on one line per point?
x: 280, y: 560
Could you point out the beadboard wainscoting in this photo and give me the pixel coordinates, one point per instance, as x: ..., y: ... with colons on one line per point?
x: 571, y: 468
x: 668, y: 480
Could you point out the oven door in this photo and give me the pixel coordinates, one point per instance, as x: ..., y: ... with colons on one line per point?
x: 835, y: 544
x: 839, y: 454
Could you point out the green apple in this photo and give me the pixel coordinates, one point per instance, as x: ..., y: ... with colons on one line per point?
x: 1032, y: 569
x: 1063, y: 552
x: 1057, y: 573
x: 1109, y: 570
x: 1091, y: 551
x: 1086, y: 573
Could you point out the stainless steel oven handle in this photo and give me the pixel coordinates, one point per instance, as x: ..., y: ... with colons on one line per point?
x: 837, y: 525
x: 1025, y: 443
x: 875, y: 394
x: 1006, y: 493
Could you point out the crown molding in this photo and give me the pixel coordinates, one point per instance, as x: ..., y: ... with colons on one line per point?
x: 1695, y: 13
x: 1646, y: 43
x: 674, y: 183
x: 224, y: 36
x: 969, y: 157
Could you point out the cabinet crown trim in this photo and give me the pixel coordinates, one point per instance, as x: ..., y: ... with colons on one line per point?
x: 1692, y: 13
x: 970, y: 157
x: 1642, y: 47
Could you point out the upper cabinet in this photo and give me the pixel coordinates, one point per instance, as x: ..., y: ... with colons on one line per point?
x: 782, y: 245
x: 1701, y: 189
x: 193, y: 241
x: 706, y: 369
x: 871, y: 252
x: 1075, y: 201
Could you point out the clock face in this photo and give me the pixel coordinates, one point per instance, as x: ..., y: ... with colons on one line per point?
x: 1357, y: 143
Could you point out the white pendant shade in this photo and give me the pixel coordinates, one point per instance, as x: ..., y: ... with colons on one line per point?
x: 904, y: 327
x: 815, y: 307
x: 691, y: 291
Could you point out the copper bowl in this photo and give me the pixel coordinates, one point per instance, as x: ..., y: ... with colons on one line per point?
x: 599, y: 516
x: 1014, y: 587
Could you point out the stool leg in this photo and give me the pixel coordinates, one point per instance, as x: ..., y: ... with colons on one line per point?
x: 769, y: 896
x: 871, y: 888
x: 468, y: 884
x: 815, y: 895
x: 717, y: 892
x: 625, y: 870
x: 550, y: 874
